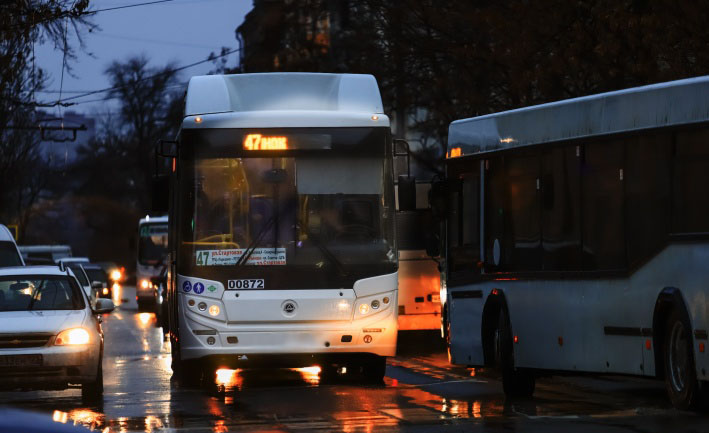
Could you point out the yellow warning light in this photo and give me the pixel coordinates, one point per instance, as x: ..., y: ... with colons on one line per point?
x: 260, y: 142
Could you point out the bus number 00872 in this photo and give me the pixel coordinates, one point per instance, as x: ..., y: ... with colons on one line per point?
x: 246, y: 284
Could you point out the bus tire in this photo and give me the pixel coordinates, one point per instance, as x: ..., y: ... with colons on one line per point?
x: 680, y: 375
x: 374, y: 369
x: 515, y: 382
x: 188, y: 373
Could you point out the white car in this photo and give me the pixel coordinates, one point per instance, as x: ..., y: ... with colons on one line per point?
x: 50, y: 337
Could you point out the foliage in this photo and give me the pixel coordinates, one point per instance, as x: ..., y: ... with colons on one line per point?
x: 23, y: 22
x: 439, y: 61
x: 119, y: 162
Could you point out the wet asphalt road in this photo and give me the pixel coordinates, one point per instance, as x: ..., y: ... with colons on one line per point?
x: 421, y: 393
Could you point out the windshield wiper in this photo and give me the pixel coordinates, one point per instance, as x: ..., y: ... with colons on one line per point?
x: 35, y: 296
x: 259, y: 236
x: 327, y: 253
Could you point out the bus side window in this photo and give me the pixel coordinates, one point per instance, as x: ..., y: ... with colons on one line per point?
x: 561, y: 220
x: 602, y: 206
x: 691, y: 177
x: 647, y: 197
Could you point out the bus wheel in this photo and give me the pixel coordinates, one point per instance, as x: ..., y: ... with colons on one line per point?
x: 680, y: 375
x: 515, y: 382
x: 374, y: 369
x: 187, y: 372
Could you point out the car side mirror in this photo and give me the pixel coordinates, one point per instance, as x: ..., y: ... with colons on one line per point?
x: 104, y: 306
x: 96, y: 285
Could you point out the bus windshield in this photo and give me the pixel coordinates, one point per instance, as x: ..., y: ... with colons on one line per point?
x: 313, y: 220
x: 152, y: 244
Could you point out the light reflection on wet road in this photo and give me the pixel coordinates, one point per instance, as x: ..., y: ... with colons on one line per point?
x: 421, y: 393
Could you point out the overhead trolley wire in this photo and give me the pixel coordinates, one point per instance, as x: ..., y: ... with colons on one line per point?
x: 129, y: 6
x: 63, y: 101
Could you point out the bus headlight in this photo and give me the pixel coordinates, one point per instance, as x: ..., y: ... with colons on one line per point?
x: 144, y: 283
x: 363, y: 309
x: 72, y: 337
x: 214, y: 310
x: 115, y: 275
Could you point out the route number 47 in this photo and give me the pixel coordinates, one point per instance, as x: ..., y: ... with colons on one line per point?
x: 202, y: 258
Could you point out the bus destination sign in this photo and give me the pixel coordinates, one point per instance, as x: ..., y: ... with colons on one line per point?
x: 254, y: 141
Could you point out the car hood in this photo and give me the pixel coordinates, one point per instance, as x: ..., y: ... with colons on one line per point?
x: 40, y: 321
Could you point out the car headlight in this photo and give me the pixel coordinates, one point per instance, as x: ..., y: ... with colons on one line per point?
x: 72, y: 337
x: 116, y: 275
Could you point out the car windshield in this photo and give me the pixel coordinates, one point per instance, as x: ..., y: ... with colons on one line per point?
x: 9, y: 255
x: 79, y: 274
x: 97, y: 275
x: 247, y: 216
x: 152, y: 244
x: 33, y: 293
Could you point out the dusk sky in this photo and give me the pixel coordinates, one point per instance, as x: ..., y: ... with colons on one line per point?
x: 182, y: 31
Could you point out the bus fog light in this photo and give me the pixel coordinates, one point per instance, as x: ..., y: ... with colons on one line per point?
x: 211, y: 340
x: 214, y: 310
x: 375, y: 304
x: 367, y: 339
x: 202, y: 306
x: 363, y: 309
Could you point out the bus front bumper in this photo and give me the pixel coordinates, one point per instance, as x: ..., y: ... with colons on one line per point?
x: 368, y: 337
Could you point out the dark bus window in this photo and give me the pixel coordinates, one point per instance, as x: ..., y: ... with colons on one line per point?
x: 602, y: 206
x: 690, y: 207
x: 647, y: 197
x: 464, y: 252
x: 498, y: 240
x: 523, y: 195
x: 561, y: 203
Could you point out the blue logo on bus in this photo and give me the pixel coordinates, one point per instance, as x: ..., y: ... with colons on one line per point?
x: 186, y: 286
x: 198, y: 288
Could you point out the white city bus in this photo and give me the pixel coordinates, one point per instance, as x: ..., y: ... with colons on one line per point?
x: 578, y: 238
x: 419, y: 277
x: 282, y: 225
x: 151, y: 257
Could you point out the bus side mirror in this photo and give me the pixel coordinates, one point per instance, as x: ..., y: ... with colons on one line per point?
x: 438, y: 199
x: 407, y: 193
x: 161, y: 193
